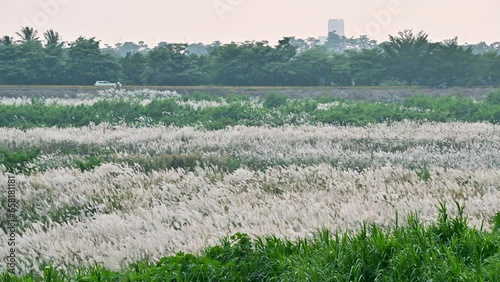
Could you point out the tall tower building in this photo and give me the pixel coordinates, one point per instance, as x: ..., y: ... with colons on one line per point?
x: 336, y: 25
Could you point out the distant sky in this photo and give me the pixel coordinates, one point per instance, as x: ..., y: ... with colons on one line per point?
x: 205, y: 21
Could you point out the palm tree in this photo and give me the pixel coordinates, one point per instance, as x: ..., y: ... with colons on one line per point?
x: 28, y: 34
x: 53, y: 39
x: 6, y: 40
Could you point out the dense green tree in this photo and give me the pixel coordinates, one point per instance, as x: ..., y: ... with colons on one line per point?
x: 408, y: 55
x: 10, y: 70
x: 133, y: 65
x: 54, y: 59
x: 198, y: 71
x: 22, y: 64
x: 406, y: 58
x: 278, y: 70
x: 313, y: 66
x: 241, y: 64
x: 86, y: 64
x: 367, y: 66
x: 487, y: 69
x: 170, y: 64
x: 341, y: 70
x: 451, y: 64
x: 253, y: 63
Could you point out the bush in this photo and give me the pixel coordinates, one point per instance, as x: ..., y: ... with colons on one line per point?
x: 16, y: 161
x: 275, y: 100
x: 89, y: 164
x: 493, y: 98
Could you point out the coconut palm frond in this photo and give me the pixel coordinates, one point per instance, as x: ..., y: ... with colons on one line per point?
x: 27, y: 34
x: 52, y: 38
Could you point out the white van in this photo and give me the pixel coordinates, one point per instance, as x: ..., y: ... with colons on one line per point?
x: 103, y: 83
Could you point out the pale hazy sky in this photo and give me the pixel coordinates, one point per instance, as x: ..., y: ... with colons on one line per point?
x: 238, y: 20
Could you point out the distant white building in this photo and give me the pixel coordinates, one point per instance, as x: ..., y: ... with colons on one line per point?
x: 336, y: 25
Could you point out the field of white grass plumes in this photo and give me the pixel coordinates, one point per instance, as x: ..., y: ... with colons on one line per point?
x: 408, y: 144
x: 90, y: 98
x: 290, y: 181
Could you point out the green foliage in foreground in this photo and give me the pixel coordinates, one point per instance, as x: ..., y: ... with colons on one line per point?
x: 447, y: 250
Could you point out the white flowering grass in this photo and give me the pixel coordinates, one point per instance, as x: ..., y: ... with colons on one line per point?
x: 137, y: 93
x: 327, y: 106
x: 138, y: 215
x: 117, y: 214
x: 410, y: 144
x: 144, y: 96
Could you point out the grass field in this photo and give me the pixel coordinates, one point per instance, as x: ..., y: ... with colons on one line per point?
x: 272, y: 193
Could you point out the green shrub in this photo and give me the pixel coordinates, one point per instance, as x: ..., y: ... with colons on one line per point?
x: 16, y: 161
x: 275, y: 100
x: 493, y: 98
x: 89, y: 164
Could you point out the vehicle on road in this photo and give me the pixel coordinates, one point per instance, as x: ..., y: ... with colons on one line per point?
x: 103, y: 83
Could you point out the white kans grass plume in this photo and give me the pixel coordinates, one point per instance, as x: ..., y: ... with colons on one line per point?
x: 117, y: 214
x: 87, y: 99
x: 253, y: 103
x: 142, y: 96
x: 137, y: 215
x: 401, y: 131
x: 327, y: 106
x: 410, y: 144
x: 196, y: 105
x: 137, y: 93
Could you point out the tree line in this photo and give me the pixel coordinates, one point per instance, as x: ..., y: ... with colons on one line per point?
x: 407, y: 58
